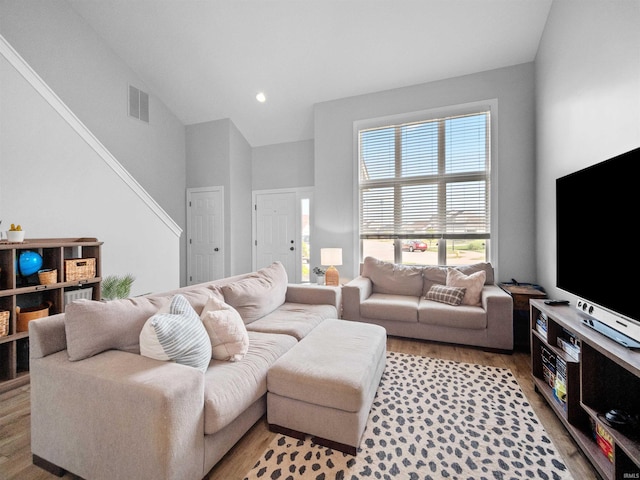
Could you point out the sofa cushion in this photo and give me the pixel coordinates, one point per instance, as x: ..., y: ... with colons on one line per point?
x: 462, y: 316
x: 392, y: 278
x: 295, y: 319
x: 473, y: 284
x: 477, y: 267
x: 196, y: 295
x: 444, y: 294
x: 258, y: 294
x: 93, y: 327
x: 227, y: 332
x: 382, y: 306
x: 181, y: 334
x: 231, y: 387
x: 433, y: 275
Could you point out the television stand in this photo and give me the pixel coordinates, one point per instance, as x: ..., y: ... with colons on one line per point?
x: 582, y: 375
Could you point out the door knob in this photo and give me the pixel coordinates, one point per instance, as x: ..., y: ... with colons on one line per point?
x: 216, y: 249
x: 292, y: 248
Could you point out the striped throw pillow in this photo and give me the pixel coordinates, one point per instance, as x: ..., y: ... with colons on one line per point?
x: 444, y: 294
x: 180, y: 334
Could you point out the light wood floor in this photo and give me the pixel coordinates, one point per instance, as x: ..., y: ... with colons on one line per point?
x: 15, y: 453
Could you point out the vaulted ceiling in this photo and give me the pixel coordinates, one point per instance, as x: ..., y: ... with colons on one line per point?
x: 207, y: 59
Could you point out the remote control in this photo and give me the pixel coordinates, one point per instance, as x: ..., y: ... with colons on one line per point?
x: 556, y: 302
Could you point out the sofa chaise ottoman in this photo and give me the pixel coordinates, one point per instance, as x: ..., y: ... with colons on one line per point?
x: 325, y: 385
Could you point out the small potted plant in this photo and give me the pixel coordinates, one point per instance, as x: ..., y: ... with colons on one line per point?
x: 15, y: 234
x: 319, y: 274
x: 115, y: 286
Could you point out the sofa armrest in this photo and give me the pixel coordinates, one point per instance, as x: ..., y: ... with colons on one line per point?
x: 314, y: 295
x: 354, y: 293
x: 499, y: 307
x: 47, y: 335
x: 118, y: 415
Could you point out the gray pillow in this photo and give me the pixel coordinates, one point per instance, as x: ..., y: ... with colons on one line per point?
x: 393, y: 278
x: 258, y: 295
x: 93, y: 327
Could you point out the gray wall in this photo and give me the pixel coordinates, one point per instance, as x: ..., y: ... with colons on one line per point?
x: 283, y: 165
x: 588, y: 108
x: 218, y: 155
x: 336, y: 210
x: 93, y: 82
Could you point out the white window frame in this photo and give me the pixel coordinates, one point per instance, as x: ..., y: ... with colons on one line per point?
x: 490, y: 105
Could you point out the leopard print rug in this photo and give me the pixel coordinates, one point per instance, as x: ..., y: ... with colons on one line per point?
x: 431, y: 419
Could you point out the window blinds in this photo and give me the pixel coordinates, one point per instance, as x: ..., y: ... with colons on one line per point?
x: 426, y: 180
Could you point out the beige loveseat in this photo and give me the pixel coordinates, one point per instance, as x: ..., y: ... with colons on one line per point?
x: 397, y: 298
x: 101, y: 410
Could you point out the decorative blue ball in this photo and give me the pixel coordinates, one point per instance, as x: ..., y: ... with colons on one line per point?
x: 29, y: 263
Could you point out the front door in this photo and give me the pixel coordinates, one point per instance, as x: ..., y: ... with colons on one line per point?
x: 205, y: 234
x: 276, y: 236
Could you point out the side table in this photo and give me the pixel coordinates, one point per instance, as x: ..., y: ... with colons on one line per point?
x: 521, y: 293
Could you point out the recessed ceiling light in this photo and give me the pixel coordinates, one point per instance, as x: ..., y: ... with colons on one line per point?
x: 261, y: 97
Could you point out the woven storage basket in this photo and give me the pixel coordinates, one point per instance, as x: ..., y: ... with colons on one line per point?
x: 25, y: 315
x: 4, y: 323
x: 79, y: 269
x: 47, y: 277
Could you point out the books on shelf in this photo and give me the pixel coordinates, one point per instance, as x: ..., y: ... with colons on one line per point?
x: 560, y: 383
x: 548, y: 366
x: 569, y: 344
x: 604, y: 441
x: 541, y: 325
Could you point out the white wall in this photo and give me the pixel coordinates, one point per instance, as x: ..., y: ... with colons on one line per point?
x: 588, y: 107
x: 513, y: 87
x: 71, y: 58
x: 55, y: 185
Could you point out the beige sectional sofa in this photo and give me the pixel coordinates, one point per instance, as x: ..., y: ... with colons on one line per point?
x: 101, y: 410
x: 400, y: 298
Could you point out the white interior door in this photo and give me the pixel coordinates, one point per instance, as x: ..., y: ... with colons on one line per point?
x: 276, y: 235
x: 205, y: 234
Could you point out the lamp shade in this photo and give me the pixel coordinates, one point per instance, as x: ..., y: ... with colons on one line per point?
x: 331, y: 256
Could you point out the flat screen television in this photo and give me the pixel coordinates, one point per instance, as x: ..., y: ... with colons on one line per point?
x: 597, y: 251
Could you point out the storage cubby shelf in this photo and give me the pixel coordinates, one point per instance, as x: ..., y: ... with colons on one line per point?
x: 604, y: 376
x: 18, y: 291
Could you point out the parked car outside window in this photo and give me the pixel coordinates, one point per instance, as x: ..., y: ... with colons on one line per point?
x: 414, y: 246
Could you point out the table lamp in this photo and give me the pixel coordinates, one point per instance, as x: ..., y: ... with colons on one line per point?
x: 331, y: 257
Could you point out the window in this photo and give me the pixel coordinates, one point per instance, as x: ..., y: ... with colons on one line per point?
x: 424, y: 190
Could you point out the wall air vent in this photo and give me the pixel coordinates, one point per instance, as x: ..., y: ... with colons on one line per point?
x: 138, y: 104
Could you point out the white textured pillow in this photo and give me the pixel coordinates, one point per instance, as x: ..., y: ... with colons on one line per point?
x: 181, y: 335
x: 473, y: 283
x: 227, y: 332
x: 149, y: 344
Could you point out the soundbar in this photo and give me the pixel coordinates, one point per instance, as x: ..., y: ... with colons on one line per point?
x: 612, y: 333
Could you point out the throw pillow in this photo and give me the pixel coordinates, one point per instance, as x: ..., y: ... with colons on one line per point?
x: 228, y: 335
x: 473, y: 283
x: 181, y: 334
x: 393, y: 278
x: 258, y: 294
x: 150, y: 346
x: 444, y: 294
x: 92, y: 327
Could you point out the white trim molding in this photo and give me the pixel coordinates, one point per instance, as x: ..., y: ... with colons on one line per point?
x: 74, y: 122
